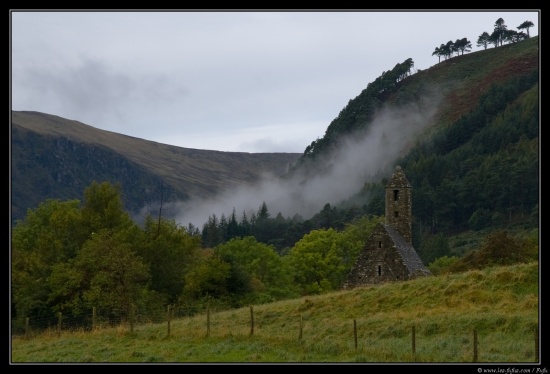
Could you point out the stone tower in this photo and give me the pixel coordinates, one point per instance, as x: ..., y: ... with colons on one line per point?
x: 399, y: 204
x: 388, y: 254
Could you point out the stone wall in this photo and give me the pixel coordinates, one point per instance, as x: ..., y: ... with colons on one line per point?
x: 379, y: 262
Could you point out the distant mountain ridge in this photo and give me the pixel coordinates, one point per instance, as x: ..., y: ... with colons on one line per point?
x: 53, y: 157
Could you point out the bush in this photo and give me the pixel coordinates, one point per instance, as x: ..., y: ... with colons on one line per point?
x: 479, y: 220
x: 442, y: 265
x: 498, y: 248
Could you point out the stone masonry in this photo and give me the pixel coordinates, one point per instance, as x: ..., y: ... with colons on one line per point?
x: 388, y: 254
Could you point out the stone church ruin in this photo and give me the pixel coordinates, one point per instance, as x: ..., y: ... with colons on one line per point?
x: 388, y: 254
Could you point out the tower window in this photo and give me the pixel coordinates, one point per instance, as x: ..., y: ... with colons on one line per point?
x: 379, y: 244
x: 379, y: 270
x: 396, y: 214
x: 395, y: 195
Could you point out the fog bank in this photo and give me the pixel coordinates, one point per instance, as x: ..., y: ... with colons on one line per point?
x: 356, y: 160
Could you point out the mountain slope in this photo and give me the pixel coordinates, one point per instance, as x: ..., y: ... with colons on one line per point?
x: 476, y: 161
x: 458, y: 83
x: 53, y: 157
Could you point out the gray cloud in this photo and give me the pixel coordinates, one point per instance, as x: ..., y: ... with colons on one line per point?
x: 355, y: 161
x: 95, y: 91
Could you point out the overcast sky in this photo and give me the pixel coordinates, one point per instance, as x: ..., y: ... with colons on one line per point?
x: 231, y: 81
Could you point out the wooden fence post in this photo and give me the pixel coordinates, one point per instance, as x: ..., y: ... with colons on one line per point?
x: 168, y: 318
x: 208, y: 319
x: 475, y: 345
x: 94, y: 326
x: 59, y: 317
x: 251, y: 321
x: 27, y: 328
x: 536, y: 344
x: 414, y: 341
x: 301, y: 328
x: 132, y: 316
x: 355, y: 332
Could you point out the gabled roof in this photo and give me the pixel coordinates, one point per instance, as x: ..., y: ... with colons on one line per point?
x: 398, y: 179
x: 410, y: 258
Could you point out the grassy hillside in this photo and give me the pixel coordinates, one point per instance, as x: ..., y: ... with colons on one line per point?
x: 464, y: 79
x: 501, y: 304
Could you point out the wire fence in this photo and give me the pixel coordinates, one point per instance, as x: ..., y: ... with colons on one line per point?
x: 97, y: 320
x: 102, y: 318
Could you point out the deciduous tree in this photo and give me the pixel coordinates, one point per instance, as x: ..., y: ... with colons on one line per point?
x: 114, y: 276
x: 318, y: 262
x: 50, y: 234
x: 170, y: 251
x: 268, y: 275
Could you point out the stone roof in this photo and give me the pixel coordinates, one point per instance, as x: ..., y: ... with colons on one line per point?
x: 410, y: 258
x: 398, y: 179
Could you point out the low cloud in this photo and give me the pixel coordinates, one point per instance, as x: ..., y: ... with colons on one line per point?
x: 357, y: 159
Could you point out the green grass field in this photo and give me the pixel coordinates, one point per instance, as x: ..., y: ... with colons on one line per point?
x: 364, y: 325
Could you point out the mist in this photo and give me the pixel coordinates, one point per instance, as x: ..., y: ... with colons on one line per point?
x: 356, y: 160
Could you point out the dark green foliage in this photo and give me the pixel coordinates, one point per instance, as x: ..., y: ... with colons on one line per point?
x: 212, y: 234
x: 206, y: 280
x: 103, y: 207
x: 170, y: 251
x: 283, y: 232
x: 498, y: 248
x: 433, y: 247
x: 497, y: 99
x: 480, y: 219
x: 490, y: 159
x: 107, y: 273
x: 257, y: 272
x: 70, y: 258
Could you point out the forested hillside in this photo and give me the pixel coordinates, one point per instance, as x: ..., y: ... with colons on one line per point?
x: 475, y: 165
